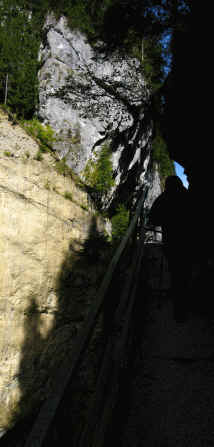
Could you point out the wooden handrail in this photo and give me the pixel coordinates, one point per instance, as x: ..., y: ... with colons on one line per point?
x: 68, y: 368
x: 119, y: 352
x: 107, y: 367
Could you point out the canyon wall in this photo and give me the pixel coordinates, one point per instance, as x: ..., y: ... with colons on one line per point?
x: 49, y: 276
x: 46, y: 286
x: 91, y: 97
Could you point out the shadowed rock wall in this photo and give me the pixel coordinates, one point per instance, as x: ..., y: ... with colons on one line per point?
x: 45, y: 286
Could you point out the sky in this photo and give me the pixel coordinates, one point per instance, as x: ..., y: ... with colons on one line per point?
x: 167, y: 57
x: 180, y: 173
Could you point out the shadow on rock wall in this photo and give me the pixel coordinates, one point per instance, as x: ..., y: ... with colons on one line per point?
x: 43, y: 352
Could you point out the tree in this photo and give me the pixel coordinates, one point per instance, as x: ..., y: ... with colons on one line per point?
x: 19, y: 44
x: 120, y: 222
x: 99, y: 174
x: 135, y: 27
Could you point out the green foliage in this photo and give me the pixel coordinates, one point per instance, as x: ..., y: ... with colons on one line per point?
x: 84, y: 15
x: 7, y: 153
x: 84, y: 207
x: 19, y: 45
x: 99, y: 175
x: 161, y: 157
x: 63, y: 169
x: 47, y: 185
x: 55, y: 189
x: 38, y: 156
x: 78, y: 16
x: 120, y: 222
x: 44, y: 133
x: 68, y: 195
x: 152, y: 63
x: 118, y: 23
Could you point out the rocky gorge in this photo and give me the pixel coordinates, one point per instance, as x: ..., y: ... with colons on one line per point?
x: 48, y: 285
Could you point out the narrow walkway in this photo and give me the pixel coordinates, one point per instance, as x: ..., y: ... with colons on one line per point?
x: 172, y: 389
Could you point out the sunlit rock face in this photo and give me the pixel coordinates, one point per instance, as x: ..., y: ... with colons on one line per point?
x: 45, y: 288
x: 90, y: 98
x: 155, y: 189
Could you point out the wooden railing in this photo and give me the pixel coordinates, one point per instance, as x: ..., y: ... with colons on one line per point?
x: 94, y: 433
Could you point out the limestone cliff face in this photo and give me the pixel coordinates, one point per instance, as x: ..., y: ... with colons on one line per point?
x: 89, y: 98
x: 155, y: 186
x: 46, y: 283
x: 45, y: 288
x: 154, y: 190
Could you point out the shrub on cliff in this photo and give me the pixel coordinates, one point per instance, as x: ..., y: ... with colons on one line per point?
x: 99, y: 174
x: 161, y: 157
x: 44, y: 133
x: 120, y: 222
